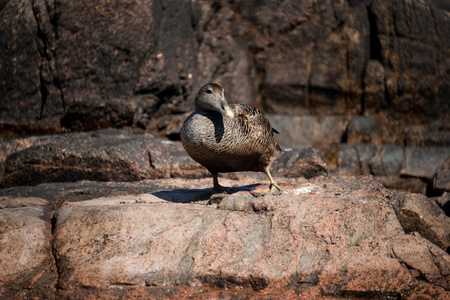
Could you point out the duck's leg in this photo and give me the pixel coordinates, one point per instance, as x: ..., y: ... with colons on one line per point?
x: 274, y: 188
x: 217, y: 188
x: 218, y: 192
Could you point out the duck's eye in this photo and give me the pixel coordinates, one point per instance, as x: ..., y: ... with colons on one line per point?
x: 209, y: 91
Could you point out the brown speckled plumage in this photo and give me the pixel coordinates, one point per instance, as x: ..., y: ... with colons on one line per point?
x: 226, y: 138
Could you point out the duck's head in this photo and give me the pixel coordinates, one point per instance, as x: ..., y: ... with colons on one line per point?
x: 211, y: 98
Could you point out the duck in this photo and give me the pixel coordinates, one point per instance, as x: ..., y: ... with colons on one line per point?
x: 229, y: 138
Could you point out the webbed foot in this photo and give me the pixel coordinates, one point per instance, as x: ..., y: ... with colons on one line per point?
x: 273, y: 189
x: 218, y: 189
x: 211, y: 197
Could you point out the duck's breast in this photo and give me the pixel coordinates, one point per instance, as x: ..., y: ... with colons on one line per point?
x: 222, y: 144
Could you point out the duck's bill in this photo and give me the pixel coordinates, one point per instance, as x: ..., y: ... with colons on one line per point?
x: 228, y: 112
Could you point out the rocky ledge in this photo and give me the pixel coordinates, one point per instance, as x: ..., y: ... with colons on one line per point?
x: 323, y: 238
x: 122, y: 155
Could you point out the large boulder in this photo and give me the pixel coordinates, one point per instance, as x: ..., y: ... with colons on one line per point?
x: 27, y: 264
x: 104, y: 155
x: 441, y: 181
x: 415, y: 169
x: 417, y: 213
x: 335, y: 238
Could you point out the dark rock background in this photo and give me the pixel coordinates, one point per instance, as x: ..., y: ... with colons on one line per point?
x: 92, y: 98
x: 344, y: 77
x: 85, y: 65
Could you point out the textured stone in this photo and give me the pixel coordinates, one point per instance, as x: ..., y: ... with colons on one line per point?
x: 409, y: 184
x: 303, y: 131
x: 423, y: 215
x: 27, y: 267
x: 329, y: 238
x: 435, y: 134
x: 424, y: 258
x: 121, y: 155
x: 16, y: 202
x: 417, y: 170
x: 24, y: 74
x: 424, y: 162
x: 295, y: 131
x: 363, y: 130
x: 173, y: 190
x: 229, y: 248
x: 366, y: 152
x: 304, y: 162
x: 388, y: 160
x: 374, y: 86
x: 103, y: 155
x: 441, y: 181
x: 145, y: 60
x: 354, y: 159
x: 329, y: 129
x: 444, y: 203
x: 347, y: 160
x: 93, y: 114
x: 180, y: 293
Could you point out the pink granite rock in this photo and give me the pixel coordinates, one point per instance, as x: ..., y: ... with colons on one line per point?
x: 326, y: 238
x: 332, y: 237
x: 27, y: 265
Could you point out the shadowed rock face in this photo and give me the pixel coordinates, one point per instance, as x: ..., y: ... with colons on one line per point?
x: 147, y: 59
x: 102, y: 155
x: 327, y: 237
x: 121, y: 155
x: 348, y: 78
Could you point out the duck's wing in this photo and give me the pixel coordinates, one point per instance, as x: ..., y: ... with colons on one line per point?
x: 252, y: 121
x: 251, y: 118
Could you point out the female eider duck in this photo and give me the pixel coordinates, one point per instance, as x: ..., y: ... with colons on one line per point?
x: 229, y: 138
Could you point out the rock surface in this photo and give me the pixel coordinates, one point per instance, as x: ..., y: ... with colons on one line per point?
x: 102, y: 155
x: 28, y: 268
x: 353, y: 87
x: 412, y: 158
x: 417, y: 213
x: 326, y: 238
x: 122, y: 155
x: 331, y: 75
x: 143, y: 60
x: 127, y: 155
x: 414, y: 169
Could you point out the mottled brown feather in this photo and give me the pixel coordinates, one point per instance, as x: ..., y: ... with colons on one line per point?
x: 222, y: 144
